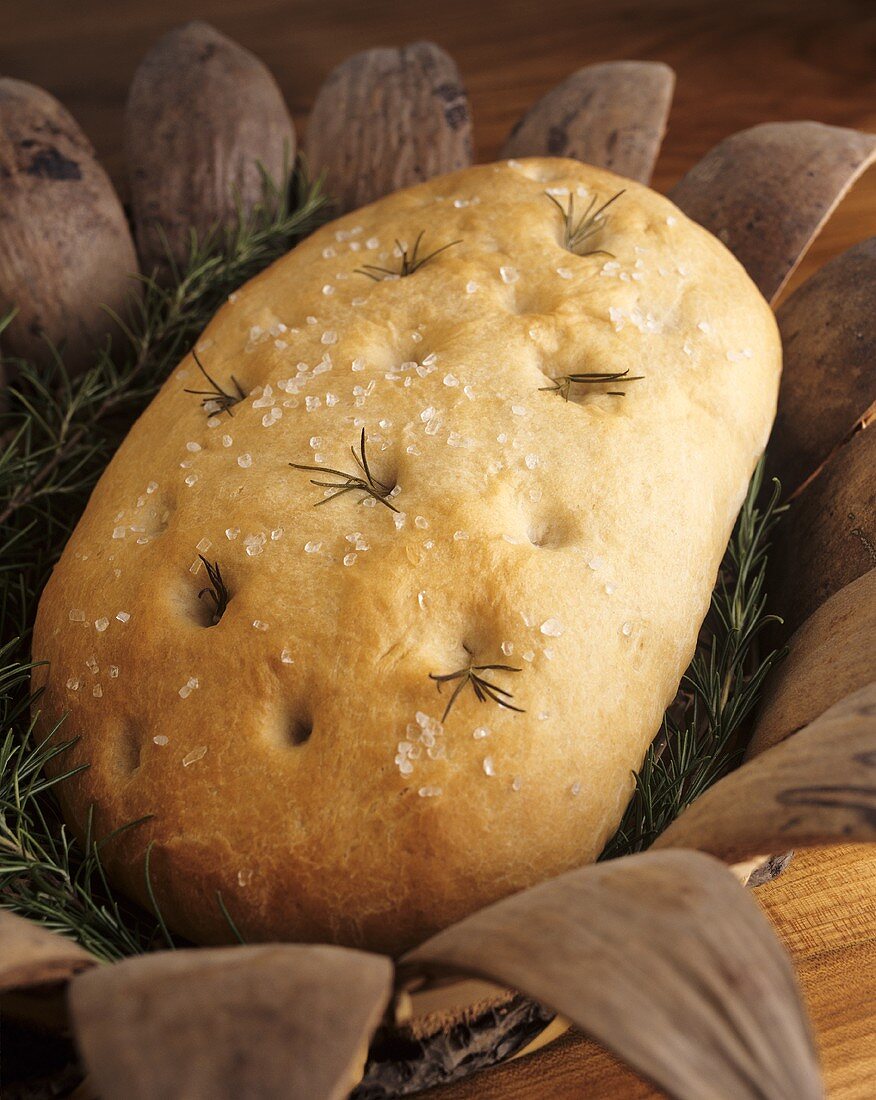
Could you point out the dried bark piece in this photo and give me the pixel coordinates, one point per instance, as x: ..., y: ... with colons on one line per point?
x: 65, y: 247
x: 818, y: 787
x: 612, y: 115
x: 386, y: 119
x: 830, y: 656
x: 661, y: 957
x: 32, y: 956
x: 828, y: 538
x: 828, y: 331
x: 202, y: 115
x: 275, y: 1020
x: 766, y: 192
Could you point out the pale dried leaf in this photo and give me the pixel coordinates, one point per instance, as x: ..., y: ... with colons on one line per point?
x: 766, y: 192
x: 274, y: 1020
x: 664, y: 958
x: 386, y: 119
x: 830, y: 656
x: 32, y: 956
x: 612, y: 115
x: 818, y: 787
x: 828, y: 331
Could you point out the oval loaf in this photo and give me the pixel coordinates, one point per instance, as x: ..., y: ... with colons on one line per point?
x: 292, y: 755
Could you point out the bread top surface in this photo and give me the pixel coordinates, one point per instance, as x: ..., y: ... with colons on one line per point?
x: 291, y: 756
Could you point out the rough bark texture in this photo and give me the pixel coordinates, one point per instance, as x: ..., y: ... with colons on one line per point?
x: 385, y: 119
x: 829, y: 380
x: 612, y: 115
x: 65, y: 248
x: 203, y: 114
x: 767, y: 191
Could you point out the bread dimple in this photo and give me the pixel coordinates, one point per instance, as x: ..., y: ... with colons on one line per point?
x: 292, y: 756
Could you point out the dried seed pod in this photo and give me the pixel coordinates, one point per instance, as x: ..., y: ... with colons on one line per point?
x: 31, y: 956
x: 65, y: 247
x: 612, y: 115
x: 829, y: 657
x: 275, y: 1020
x: 766, y: 192
x: 814, y: 788
x: 202, y: 115
x: 638, y: 952
x: 828, y: 331
x: 828, y: 538
x: 386, y: 119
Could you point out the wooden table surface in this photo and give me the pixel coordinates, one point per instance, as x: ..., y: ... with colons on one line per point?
x: 738, y: 63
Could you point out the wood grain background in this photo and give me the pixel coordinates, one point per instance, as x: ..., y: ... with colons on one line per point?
x: 738, y: 62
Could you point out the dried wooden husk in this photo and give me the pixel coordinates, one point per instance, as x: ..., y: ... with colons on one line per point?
x: 202, y: 115
x: 828, y: 329
x: 827, y: 539
x: 386, y: 119
x: 652, y: 955
x: 817, y: 787
x: 830, y: 656
x: 612, y: 115
x: 274, y: 1020
x: 766, y: 192
x: 65, y: 248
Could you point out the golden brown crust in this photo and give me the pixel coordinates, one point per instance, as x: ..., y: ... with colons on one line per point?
x: 577, y: 540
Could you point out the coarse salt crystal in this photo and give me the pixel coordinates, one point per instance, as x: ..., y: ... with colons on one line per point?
x: 286, y: 657
x: 195, y: 755
x: 160, y: 739
x: 119, y: 532
x: 575, y: 789
x: 489, y: 767
x: 531, y: 461
x: 518, y: 410
x: 471, y: 286
x: 509, y: 274
x: 123, y: 616
x: 329, y: 337
x: 627, y: 629
x: 244, y: 461
x: 77, y: 616
x: 231, y: 533
x: 259, y: 625
x: 480, y: 732
x: 349, y: 559
x: 100, y: 625
x: 192, y: 479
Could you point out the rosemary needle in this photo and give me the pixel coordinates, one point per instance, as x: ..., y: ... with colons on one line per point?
x: 576, y: 234
x: 217, y: 590
x: 409, y: 263
x: 563, y: 383
x: 216, y: 397
x: 368, y: 484
x: 482, y: 687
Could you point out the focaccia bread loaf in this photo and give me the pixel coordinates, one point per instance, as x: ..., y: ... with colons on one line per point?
x: 291, y: 757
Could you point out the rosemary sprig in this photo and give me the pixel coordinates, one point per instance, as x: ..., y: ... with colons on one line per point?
x: 564, y: 382
x: 483, y: 688
x: 217, y: 590
x: 368, y: 484
x: 576, y: 234
x: 703, y: 732
x: 216, y: 399
x: 408, y: 265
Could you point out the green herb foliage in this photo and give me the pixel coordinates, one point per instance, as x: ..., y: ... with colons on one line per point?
x: 703, y: 732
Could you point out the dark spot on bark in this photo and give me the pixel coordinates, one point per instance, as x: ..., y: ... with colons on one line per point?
x: 207, y: 52
x: 558, y: 141
x: 448, y: 91
x: 456, y: 116
x: 49, y: 164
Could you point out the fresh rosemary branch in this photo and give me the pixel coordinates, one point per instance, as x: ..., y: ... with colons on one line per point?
x: 408, y: 263
x: 577, y: 233
x: 482, y: 687
x: 564, y: 382
x: 368, y: 484
x: 45, y: 874
x: 217, y: 590
x: 702, y: 736
x: 216, y: 400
